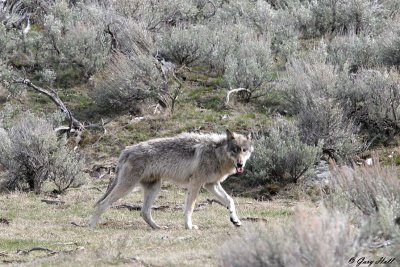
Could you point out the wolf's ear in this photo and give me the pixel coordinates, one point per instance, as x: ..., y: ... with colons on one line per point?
x: 229, y: 135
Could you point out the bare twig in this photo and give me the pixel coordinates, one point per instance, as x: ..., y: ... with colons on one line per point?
x: 234, y: 91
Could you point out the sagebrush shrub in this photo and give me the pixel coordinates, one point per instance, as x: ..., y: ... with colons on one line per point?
x: 280, y: 155
x: 355, y: 50
x: 306, y: 80
x: 131, y: 37
x: 324, y: 239
x: 126, y: 81
x: 318, y: 18
x: 371, y: 195
x: 13, y: 13
x: 311, y: 89
x: 31, y: 154
x: 278, y: 24
x: 372, y: 99
x: 249, y: 64
x: 77, y: 34
x: 323, y: 121
x: 187, y: 46
x: 389, y: 45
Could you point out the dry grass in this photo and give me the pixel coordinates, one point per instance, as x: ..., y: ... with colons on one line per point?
x: 122, y: 237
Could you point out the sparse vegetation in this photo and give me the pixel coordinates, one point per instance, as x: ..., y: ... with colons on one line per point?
x: 316, y: 80
x: 324, y: 239
x: 371, y: 196
x: 359, y: 215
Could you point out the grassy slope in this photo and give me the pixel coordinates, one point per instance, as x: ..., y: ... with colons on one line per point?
x: 122, y: 237
x: 199, y: 107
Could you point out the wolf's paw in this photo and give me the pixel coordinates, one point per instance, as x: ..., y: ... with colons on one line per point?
x: 192, y: 227
x: 236, y: 222
x: 92, y: 224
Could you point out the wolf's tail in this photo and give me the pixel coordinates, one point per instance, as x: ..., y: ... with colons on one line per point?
x: 110, y: 187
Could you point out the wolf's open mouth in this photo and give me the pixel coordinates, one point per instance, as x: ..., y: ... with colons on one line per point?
x: 239, y: 169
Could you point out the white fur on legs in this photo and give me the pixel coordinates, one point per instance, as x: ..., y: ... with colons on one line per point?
x: 217, y: 190
x: 190, y: 202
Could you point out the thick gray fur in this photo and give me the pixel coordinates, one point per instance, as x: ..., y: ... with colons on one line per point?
x: 189, y: 159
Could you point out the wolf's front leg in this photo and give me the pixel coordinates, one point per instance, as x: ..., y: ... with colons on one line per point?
x: 217, y: 190
x: 190, y: 201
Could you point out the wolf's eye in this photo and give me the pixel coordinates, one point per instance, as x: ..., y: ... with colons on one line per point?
x: 244, y: 149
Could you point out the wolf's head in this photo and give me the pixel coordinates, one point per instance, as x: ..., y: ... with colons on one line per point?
x: 239, y: 149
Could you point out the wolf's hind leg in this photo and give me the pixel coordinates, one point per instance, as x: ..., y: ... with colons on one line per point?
x: 126, y: 181
x: 151, y: 191
x: 217, y: 190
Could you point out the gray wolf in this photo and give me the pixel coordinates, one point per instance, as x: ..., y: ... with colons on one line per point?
x: 189, y: 159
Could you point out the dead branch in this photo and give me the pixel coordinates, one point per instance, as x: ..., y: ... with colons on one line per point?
x: 234, y: 91
x: 76, y: 224
x: 25, y: 252
x: 4, y: 221
x: 210, y: 201
x: 136, y: 207
x: 73, y: 122
x: 254, y: 219
x: 53, y: 202
x: 96, y: 188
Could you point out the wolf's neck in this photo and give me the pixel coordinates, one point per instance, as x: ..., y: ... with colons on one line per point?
x: 225, y: 163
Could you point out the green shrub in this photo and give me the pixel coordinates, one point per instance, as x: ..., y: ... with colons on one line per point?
x: 372, y: 99
x: 389, y: 45
x: 77, y: 34
x: 306, y: 80
x: 322, y: 121
x: 318, y: 18
x: 280, y: 155
x: 355, y: 50
x: 249, y: 64
x: 312, y: 93
x: 31, y: 154
x: 188, y: 46
x: 127, y: 81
